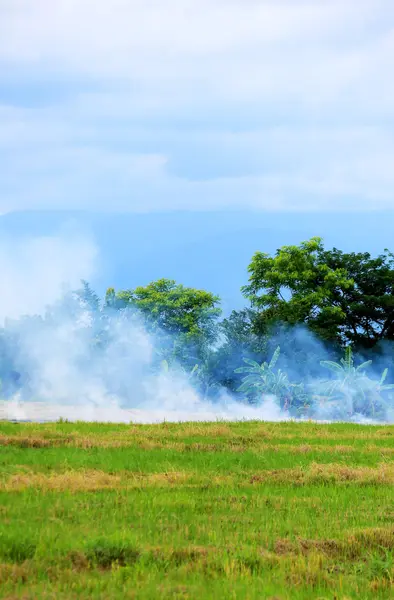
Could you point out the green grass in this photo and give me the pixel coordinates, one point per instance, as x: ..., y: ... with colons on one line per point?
x: 240, y: 510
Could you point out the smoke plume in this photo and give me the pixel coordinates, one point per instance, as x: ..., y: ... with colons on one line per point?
x: 82, y: 366
x: 55, y: 333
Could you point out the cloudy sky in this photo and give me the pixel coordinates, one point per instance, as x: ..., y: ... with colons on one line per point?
x: 196, y: 104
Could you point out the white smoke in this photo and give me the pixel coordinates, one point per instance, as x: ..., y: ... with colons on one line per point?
x: 65, y: 379
x: 35, y: 271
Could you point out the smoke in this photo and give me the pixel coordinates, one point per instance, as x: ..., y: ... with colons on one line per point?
x: 79, y: 364
x: 66, y: 372
x: 35, y: 271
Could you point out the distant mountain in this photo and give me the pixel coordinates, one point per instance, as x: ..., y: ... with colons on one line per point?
x: 210, y: 250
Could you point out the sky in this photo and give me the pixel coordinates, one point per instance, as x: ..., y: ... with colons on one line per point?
x: 155, y: 105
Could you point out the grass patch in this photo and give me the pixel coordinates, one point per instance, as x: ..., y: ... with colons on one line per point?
x: 207, y: 510
x: 16, y: 549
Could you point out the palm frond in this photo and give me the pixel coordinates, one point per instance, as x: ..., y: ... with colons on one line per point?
x: 332, y: 366
x: 383, y: 377
x: 251, y: 362
x: 364, y: 365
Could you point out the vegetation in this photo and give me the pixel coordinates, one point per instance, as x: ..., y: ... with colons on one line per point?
x: 264, y: 379
x: 344, y: 298
x: 214, y: 510
x: 317, y: 305
x: 171, y: 308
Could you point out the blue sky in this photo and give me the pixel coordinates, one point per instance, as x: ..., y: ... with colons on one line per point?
x: 147, y: 105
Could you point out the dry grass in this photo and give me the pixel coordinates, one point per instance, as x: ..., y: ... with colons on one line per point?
x: 232, y: 436
x: 350, y: 547
x: 93, y: 480
x: 328, y: 473
x: 235, y: 444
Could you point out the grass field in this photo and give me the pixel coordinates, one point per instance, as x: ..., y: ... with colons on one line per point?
x: 215, y: 510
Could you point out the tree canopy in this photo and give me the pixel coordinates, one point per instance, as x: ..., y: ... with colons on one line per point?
x: 342, y: 297
x: 172, y: 308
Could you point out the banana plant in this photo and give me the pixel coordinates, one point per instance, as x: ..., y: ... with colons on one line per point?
x: 345, y: 368
x: 347, y: 375
x: 262, y: 379
x: 351, y: 388
x: 377, y: 387
x: 381, y: 387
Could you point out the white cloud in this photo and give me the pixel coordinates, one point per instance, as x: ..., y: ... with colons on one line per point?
x: 197, y: 103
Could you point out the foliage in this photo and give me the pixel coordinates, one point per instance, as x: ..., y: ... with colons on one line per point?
x: 262, y: 379
x: 346, y: 299
x: 173, y: 308
x: 351, y: 389
x: 183, y: 320
x: 343, y: 297
x: 237, y: 339
x: 238, y: 332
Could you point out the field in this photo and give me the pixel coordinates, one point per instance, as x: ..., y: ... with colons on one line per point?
x: 209, y: 510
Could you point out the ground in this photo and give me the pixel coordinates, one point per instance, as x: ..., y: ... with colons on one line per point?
x: 209, y: 510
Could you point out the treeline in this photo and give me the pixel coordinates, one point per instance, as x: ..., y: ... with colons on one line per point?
x: 316, y: 333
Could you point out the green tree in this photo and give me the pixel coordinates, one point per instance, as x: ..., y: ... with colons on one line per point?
x: 343, y: 297
x: 239, y: 333
x: 186, y: 316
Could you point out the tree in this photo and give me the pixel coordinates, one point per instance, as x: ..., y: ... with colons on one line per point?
x: 343, y: 297
x: 239, y: 334
x: 186, y: 315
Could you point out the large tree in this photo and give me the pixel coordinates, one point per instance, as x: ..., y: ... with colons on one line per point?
x: 343, y: 297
